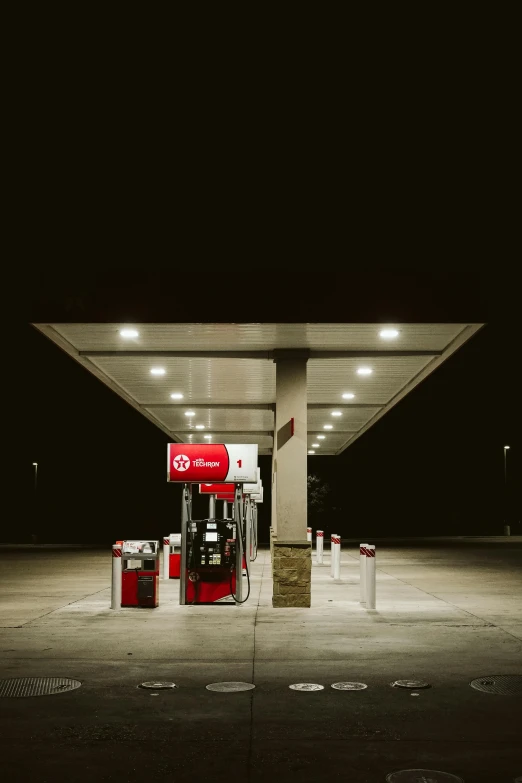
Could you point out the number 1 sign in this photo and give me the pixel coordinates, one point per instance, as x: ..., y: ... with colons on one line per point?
x: 212, y: 462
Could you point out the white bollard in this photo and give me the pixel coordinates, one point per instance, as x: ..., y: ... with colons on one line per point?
x: 166, y: 557
x: 308, y: 533
x: 319, y: 541
x: 116, y: 576
x: 370, y: 577
x: 337, y: 558
x: 362, y: 578
x: 332, y: 555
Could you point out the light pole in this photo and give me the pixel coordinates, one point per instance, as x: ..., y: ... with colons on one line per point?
x: 507, y: 528
x: 35, y: 510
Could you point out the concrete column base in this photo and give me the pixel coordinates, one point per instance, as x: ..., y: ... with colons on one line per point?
x: 292, y: 573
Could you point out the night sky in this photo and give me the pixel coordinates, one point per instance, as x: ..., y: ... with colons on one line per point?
x: 433, y: 465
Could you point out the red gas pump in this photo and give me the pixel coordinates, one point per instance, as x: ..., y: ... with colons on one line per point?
x: 210, y: 572
x: 140, y: 574
x: 175, y: 555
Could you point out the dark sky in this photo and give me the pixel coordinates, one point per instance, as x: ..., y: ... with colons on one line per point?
x: 433, y: 465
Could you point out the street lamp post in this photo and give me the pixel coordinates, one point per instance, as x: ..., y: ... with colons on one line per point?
x: 35, y: 508
x: 507, y: 527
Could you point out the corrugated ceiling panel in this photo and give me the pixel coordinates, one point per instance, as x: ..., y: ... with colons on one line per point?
x: 218, y: 419
x: 199, y: 380
x: 328, y: 379
x: 351, y: 419
x: 263, y: 337
x: 332, y: 441
x: 263, y: 441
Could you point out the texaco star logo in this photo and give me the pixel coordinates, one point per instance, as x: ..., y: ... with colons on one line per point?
x: 181, y: 462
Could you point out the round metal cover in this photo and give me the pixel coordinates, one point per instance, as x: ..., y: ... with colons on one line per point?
x: 503, y: 684
x: 349, y: 686
x: 422, y: 776
x: 37, y: 686
x: 158, y: 686
x: 230, y: 687
x: 306, y: 686
x: 412, y: 685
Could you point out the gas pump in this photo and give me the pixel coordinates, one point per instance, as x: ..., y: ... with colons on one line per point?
x: 174, y: 555
x: 140, y: 574
x: 212, y: 555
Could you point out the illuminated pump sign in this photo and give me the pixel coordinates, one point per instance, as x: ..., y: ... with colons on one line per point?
x: 212, y: 462
x: 250, y: 489
x: 214, y: 489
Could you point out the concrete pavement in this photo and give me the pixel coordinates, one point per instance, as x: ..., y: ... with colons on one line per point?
x: 447, y: 611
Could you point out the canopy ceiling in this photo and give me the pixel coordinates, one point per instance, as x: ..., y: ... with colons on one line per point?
x: 226, y: 373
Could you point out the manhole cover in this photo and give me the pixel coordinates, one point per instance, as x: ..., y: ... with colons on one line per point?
x: 413, y: 685
x: 422, y: 776
x: 37, y: 686
x: 230, y: 687
x: 349, y: 686
x: 158, y: 686
x: 504, y: 684
x: 306, y: 686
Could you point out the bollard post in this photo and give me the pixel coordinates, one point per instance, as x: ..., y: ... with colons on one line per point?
x: 332, y: 554
x: 337, y: 558
x: 308, y: 533
x: 116, y: 577
x: 362, y: 570
x: 166, y: 557
x: 370, y: 576
x: 319, y: 541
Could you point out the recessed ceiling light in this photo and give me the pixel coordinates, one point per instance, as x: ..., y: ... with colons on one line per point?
x: 321, y: 437
x: 311, y: 451
x: 157, y: 371
x: 189, y: 413
x: 388, y: 334
x: 208, y: 437
x: 364, y: 371
x: 315, y: 445
x: 176, y: 396
x: 200, y: 426
x: 328, y: 427
x: 348, y: 396
x: 337, y: 413
x: 129, y: 333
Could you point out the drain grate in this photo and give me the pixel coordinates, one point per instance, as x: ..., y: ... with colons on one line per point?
x: 503, y: 684
x: 413, y: 685
x: 422, y: 776
x: 158, y: 686
x: 306, y: 686
x: 230, y: 687
x: 36, y: 686
x: 349, y: 686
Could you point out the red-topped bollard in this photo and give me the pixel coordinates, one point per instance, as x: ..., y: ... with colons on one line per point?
x: 362, y: 578
x: 116, y: 577
x: 370, y: 577
x: 319, y: 542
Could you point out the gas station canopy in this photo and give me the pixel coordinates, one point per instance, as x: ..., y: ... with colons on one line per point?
x: 215, y: 382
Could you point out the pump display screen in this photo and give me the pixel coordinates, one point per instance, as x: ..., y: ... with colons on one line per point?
x: 211, y: 536
x: 211, y: 526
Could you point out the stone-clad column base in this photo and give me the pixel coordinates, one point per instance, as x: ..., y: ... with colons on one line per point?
x: 292, y: 573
